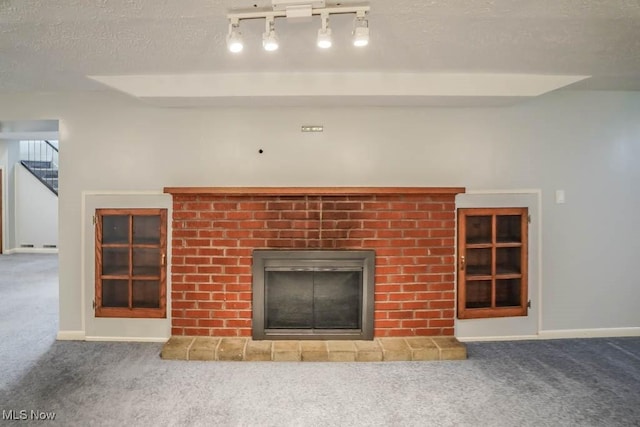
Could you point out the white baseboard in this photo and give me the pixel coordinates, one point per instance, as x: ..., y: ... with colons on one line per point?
x: 562, y: 334
x: 128, y: 339
x: 70, y: 336
x: 31, y: 251
x: 499, y: 338
x: 590, y: 333
x: 80, y: 336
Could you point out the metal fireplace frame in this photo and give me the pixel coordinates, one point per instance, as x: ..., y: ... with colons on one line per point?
x: 318, y: 260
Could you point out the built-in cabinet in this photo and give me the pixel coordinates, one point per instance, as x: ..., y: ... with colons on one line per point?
x: 131, y: 250
x: 492, y: 262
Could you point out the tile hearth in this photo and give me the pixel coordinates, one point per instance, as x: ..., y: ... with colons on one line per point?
x: 378, y: 350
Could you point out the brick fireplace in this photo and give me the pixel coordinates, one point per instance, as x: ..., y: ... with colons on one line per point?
x: 216, y: 229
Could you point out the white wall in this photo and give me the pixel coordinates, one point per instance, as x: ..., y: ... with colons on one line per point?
x: 586, y: 143
x: 36, y: 211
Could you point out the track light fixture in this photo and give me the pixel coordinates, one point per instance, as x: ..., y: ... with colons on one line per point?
x: 234, y: 38
x: 297, y: 9
x: 270, y: 38
x: 360, y: 30
x: 324, y: 33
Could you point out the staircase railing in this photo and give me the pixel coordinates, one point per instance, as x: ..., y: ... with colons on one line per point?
x: 42, y: 161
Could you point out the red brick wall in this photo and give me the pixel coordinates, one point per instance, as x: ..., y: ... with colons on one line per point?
x: 214, y: 235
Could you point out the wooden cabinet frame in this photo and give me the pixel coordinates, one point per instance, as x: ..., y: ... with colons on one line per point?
x: 156, y: 272
x: 492, y: 263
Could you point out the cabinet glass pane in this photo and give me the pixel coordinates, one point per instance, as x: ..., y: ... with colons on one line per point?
x: 508, y: 228
x: 115, y: 261
x: 115, y: 229
x: 146, y: 230
x: 508, y: 293
x: 478, y: 294
x: 478, y: 262
x: 146, y: 294
x: 508, y: 261
x: 478, y: 229
x: 146, y: 261
x: 115, y: 293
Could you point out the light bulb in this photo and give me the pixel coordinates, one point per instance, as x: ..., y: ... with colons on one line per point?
x: 234, y: 37
x: 360, y: 32
x: 234, y: 42
x: 324, y: 38
x: 270, y: 41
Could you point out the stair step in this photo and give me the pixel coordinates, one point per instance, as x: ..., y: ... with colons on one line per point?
x: 46, y: 173
x: 37, y: 163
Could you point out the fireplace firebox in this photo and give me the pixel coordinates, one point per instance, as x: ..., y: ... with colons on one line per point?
x: 313, y: 294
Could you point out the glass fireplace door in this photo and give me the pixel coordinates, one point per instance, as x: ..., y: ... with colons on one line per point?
x: 313, y: 298
x: 313, y: 294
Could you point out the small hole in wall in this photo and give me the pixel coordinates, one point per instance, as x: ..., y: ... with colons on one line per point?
x: 261, y: 151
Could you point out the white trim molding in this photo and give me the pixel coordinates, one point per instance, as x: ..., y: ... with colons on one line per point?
x: 590, y: 333
x: 85, y: 283
x: 129, y: 339
x: 70, y: 336
x: 533, y: 192
x: 499, y: 338
x: 563, y: 334
x: 32, y: 251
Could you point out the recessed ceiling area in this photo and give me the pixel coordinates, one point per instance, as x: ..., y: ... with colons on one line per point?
x: 416, y: 50
x: 287, y: 89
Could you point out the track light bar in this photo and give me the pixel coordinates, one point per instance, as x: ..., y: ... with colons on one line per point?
x: 288, y: 4
x: 298, y: 9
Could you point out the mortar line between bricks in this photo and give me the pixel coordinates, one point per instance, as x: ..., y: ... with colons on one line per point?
x: 438, y: 347
x: 189, y: 347
x: 215, y: 350
x: 244, y: 349
x: 409, y: 347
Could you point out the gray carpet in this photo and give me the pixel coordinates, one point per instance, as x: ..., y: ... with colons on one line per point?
x: 593, y: 382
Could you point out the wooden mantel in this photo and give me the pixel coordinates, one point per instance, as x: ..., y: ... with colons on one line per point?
x: 313, y: 191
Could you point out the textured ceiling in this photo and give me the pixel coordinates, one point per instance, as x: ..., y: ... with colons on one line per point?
x: 54, y: 45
